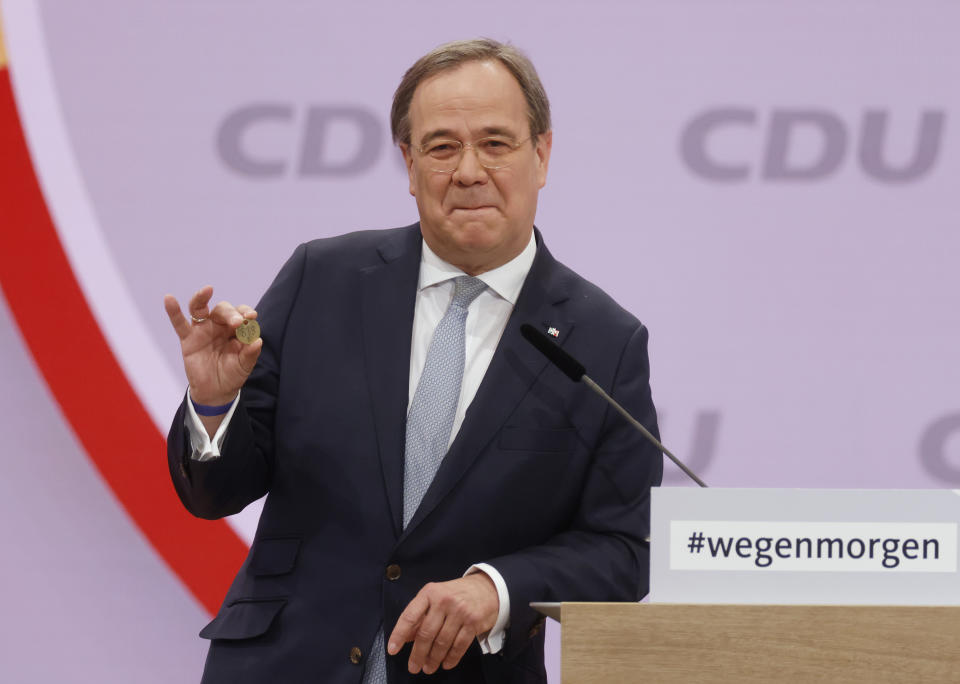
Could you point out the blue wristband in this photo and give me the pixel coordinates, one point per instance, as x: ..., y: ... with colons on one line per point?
x: 210, y: 410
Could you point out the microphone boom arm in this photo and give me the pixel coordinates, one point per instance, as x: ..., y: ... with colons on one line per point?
x: 646, y: 433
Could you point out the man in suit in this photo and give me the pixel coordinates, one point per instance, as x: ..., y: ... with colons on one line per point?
x: 427, y: 473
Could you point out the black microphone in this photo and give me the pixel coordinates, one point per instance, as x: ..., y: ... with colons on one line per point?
x: 572, y: 368
x: 575, y: 370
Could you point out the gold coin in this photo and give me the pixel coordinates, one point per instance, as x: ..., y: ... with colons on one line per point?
x: 248, y: 332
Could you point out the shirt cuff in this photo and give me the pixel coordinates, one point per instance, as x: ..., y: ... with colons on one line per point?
x: 492, y: 641
x: 202, y: 447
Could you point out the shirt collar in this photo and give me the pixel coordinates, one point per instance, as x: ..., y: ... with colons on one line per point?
x: 506, y: 281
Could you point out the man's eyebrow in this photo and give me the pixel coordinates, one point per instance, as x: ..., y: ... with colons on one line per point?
x: 499, y: 130
x: 444, y: 133
x: 447, y: 134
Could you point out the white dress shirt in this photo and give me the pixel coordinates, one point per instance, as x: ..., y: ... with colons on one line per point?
x: 486, y: 320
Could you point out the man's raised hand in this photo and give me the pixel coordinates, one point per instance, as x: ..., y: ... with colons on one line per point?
x: 216, y: 362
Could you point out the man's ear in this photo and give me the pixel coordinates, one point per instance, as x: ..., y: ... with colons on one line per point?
x: 408, y: 162
x: 544, y: 146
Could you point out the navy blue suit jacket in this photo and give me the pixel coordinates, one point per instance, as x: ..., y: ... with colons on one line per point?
x: 542, y: 481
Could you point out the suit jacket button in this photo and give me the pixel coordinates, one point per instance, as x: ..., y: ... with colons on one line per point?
x: 393, y: 572
x: 356, y: 655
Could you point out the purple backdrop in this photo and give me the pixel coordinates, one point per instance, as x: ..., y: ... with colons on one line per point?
x: 771, y: 188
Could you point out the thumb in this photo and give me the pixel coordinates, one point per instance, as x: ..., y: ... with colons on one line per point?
x: 249, y: 355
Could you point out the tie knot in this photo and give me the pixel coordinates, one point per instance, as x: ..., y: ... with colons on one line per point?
x: 466, y: 289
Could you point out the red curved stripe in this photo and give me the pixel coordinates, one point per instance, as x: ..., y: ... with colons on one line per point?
x: 84, y: 376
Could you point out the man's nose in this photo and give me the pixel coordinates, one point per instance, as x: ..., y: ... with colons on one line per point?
x: 469, y: 170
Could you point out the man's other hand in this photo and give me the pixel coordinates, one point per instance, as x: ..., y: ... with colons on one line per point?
x: 443, y: 619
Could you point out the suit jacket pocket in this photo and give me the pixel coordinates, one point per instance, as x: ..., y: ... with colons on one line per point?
x: 244, y: 619
x: 554, y: 440
x: 274, y: 556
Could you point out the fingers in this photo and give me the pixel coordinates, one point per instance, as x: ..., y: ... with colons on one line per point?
x: 199, y: 302
x: 177, y: 319
x: 224, y: 313
x: 443, y: 619
x: 216, y: 363
x: 460, y: 645
x: 408, y: 623
x: 246, y: 311
x: 442, y: 644
x: 431, y: 631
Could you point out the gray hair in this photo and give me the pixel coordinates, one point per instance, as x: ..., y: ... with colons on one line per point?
x: 452, y: 55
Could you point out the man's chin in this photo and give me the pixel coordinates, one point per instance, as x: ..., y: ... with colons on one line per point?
x: 475, y: 225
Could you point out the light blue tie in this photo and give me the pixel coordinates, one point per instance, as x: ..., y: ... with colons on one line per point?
x: 430, y: 421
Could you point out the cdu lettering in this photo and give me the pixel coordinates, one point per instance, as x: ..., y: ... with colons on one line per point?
x: 936, y: 454
x: 315, y: 159
x: 805, y: 145
x: 263, y: 140
x: 232, y: 139
x: 874, y: 143
x: 827, y: 133
x: 695, y: 140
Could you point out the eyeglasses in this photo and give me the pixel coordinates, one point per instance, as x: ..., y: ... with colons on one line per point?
x: 494, y: 152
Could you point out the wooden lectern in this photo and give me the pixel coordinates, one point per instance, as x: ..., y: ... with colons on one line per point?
x: 611, y: 643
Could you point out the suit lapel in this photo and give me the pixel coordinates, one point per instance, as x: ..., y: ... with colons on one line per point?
x: 513, y: 369
x: 388, y: 300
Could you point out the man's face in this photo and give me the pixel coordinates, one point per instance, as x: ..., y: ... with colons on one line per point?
x: 475, y: 218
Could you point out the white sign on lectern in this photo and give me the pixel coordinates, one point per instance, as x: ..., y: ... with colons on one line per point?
x: 805, y: 546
